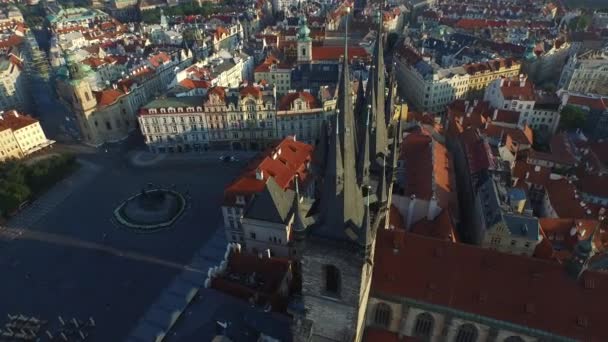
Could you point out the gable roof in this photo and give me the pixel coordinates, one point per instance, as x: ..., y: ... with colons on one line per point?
x: 525, y: 291
x: 273, y: 204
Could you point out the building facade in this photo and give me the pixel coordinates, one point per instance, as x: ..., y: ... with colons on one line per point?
x: 226, y: 118
x: 20, y: 135
x: 586, y: 73
x: 12, y: 82
x: 109, y: 115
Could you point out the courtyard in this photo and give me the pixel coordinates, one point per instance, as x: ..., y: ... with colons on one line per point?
x: 66, y: 255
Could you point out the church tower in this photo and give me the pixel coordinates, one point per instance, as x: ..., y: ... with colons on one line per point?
x: 304, y: 42
x: 78, y: 92
x: 337, y: 256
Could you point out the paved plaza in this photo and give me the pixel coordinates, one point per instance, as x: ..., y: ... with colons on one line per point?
x: 65, y: 256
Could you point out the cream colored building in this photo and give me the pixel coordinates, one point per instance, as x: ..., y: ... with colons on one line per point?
x: 274, y: 73
x: 427, y: 86
x: 586, y: 73
x: 482, y: 74
x: 224, y: 119
x: 12, y: 83
x: 20, y: 135
x: 301, y: 114
x: 109, y: 115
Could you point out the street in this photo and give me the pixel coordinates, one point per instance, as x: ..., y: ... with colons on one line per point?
x: 66, y: 256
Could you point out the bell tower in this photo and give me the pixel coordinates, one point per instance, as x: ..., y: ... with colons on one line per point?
x: 337, y: 256
x: 82, y: 99
x: 304, y: 42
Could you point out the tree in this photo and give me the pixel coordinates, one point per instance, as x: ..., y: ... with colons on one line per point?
x: 572, y: 117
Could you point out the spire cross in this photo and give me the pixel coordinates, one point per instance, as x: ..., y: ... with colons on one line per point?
x: 369, y: 108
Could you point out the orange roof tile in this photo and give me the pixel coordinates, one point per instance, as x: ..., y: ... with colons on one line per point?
x: 506, y: 287
x: 512, y: 89
x: 287, y: 100
x: 107, y: 97
x: 533, y: 174
x: 15, y: 121
x: 335, y: 53
x: 292, y: 160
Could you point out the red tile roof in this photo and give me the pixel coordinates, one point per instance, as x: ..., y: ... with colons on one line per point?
x: 287, y: 100
x: 519, y: 136
x: 565, y: 200
x: 506, y: 287
x: 251, y: 90
x: 159, y: 59
x: 194, y: 84
x: 441, y: 227
x: 477, y: 151
x: 561, y: 151
x: 595, y: 185
x: 15, y: 121
x: 595, y: 103
x: 107, y: 97
x: 512, y: 89
x: 507, y: 116
x: 334, y: 53
x: 292, y: 160
x: 470, y: 24
x: 534, y: 174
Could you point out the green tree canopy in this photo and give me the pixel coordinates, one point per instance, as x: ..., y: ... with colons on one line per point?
x: 572, y: 117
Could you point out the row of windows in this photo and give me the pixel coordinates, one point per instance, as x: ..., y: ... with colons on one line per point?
x: 425, y: 324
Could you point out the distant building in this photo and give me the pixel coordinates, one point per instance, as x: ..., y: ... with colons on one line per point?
x: 586, y: 73
x: 261, y: 280
x: 109, y: 114
x: 464, y: 293
x: 20, y: 135
x: 12, y: 81
x: 269, y: 183
x: 224, y: 119
x: 519, y: 94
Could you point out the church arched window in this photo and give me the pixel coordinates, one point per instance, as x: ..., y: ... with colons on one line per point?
x: 423, y: 327
x: 382, y: 315
x: 332, y: 280
x: 467, y: 333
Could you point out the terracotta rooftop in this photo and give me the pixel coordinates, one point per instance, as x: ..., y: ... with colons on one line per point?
x: 596, y: 103
x: 506, y: 287
x: 595, y: 185
x: 560, y: 236
x: 288, y: 99
x: 516, y: 89
x: 520, y: 136
x: 292, y: 160
x: 507, y: 116
x: 534, y: 174
x: 194, y: 84
x: 566, y: 201
x: 15, y: 121
x: 107, y: 97
x: 335, y: 53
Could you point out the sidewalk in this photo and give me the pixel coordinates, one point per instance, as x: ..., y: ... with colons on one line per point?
x: 145, y: 158
x: 186, y: 287
x: 55, y: 196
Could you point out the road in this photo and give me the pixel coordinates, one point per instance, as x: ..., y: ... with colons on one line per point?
x: 56, y: 261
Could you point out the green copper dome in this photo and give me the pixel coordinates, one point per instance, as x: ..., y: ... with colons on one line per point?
x: 303, y: 31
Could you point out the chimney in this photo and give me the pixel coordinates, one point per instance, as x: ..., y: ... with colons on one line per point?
x: 522, y: 81
x: 527, y: 174
x: 475, y: 102
x: 495, y: 114
x: 502, y: 82
x: 259, y: 174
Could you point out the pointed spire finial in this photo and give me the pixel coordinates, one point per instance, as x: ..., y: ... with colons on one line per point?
x: 338, y: 122
x: 369, y: 109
